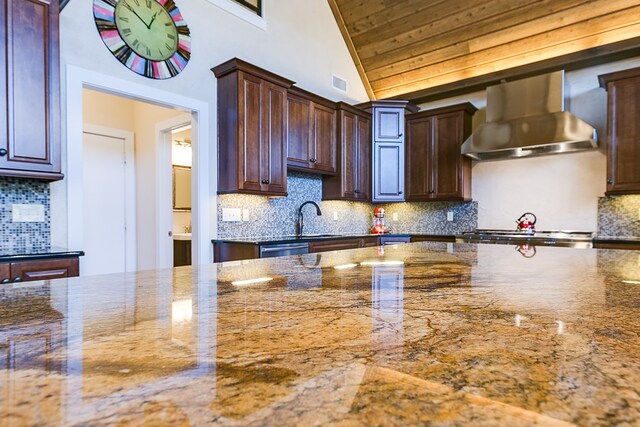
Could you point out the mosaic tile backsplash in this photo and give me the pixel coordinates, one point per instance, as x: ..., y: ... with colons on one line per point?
x: 277, y: 216
x: 619, y: 216
x: 23, y: 235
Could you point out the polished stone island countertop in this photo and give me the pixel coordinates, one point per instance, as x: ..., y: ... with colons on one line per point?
x: 417, y: 334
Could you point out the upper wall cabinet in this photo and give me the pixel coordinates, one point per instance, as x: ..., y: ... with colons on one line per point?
x: 353, y: 178
x: 30, y: 93
x: 252, y: 129
x: 388, y: 166
x: 435, y: 168
x: 311, y: 132
x: 623, y: 131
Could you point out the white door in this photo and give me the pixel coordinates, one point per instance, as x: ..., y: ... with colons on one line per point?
x: 105, y: 204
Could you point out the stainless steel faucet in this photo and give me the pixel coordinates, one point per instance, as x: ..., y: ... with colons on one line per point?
x: 300, y: 219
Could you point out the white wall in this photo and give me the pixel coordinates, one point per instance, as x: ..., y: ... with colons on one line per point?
x: 302, y: 43
x: 141, y: 119
x: 562, y: 190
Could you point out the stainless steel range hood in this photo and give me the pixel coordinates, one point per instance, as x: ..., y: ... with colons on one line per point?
x: 526, y: 118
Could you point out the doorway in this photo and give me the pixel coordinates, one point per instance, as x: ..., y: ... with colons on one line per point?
x: 68, y: 202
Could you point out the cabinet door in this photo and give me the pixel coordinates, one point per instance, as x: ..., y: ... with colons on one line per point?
x: 389, y: 124
x: 250, y: 133
x: 334, y: 245
x: 44, y: 270
x: 299, y: 131
x: 419, y: 164
x: 324, y: 139
x: 624, y: 137
x: 29, y: 96
x: 363, y: 159
x: 349, y: 155
x: 5, y: 272
x: 274, y: 139
x: 388, y: 172
x: 447, y: 159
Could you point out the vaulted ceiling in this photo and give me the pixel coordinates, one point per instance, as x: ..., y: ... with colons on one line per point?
x: 418, y: 49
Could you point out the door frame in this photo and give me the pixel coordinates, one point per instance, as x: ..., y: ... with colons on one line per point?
x: 164, y: 207
x: 131, y: 249
x: 203, y: 206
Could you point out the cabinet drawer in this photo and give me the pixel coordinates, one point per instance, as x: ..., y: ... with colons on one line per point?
x: 44, y: 269
x: 334, y: 245
x: 369, y: 242
x: 5, y: 273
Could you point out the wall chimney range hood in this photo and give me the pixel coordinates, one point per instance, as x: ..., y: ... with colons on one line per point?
x: 526, y: 118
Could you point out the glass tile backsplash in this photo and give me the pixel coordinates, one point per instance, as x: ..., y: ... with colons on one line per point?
x: 277, y: 216
x: 24, y: 234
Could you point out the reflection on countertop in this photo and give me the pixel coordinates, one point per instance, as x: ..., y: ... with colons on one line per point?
x: 423, y: 333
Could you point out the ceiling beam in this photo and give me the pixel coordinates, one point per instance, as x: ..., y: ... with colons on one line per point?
x: 352, y: 50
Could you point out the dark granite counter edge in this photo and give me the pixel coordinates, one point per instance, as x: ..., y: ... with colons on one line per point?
x: 280, y: 240
x: 617, y: 239
x: 41, y: 256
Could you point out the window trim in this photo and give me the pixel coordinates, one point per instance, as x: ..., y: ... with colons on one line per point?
x: 236, y: 9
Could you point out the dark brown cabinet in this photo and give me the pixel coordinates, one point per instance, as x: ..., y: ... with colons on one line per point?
x: 311, y: 132
x: 623, y: 131
x: 181, y: 253
x: 30, y: 93
x: 46, y: 269
x: 435, y: 169
x: 353, y: 179
x: 251, y: 129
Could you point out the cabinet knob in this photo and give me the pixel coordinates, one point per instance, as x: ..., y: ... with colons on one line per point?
x: 356, y: 191
x: 17, y: 279
x: 5, y: 280
x: 3, y: 152
x: 312, y: 160
x: 400, y: 135
x: 610, y: 181
x: 264, y: 181
x: 399, y: 192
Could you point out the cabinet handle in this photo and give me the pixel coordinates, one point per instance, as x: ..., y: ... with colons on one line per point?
x: 5, y: 280
x: 3, y: 152
x: 17, y: 279
x: 312, y: 160
x: 610, y: 182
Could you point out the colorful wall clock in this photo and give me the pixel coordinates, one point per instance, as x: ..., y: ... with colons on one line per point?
x: 150, y: 37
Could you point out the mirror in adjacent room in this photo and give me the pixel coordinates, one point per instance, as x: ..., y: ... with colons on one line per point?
x: 181, y: 188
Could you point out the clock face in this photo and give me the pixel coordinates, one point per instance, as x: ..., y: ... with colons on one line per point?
x: 150, y: 37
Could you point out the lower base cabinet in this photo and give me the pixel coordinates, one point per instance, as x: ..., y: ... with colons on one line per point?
x: 47, y: 269
x: 339, y: 245
x: 181, y: 253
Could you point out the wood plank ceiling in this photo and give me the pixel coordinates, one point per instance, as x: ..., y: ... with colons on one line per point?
x: 420, y: 48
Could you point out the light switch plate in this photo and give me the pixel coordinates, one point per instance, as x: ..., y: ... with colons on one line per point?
x: 335, y: 215
x: 449, y: 215
x: 27, y: 213
x: 395, y: 216
x: 231, y: 215
x: 245, y: 215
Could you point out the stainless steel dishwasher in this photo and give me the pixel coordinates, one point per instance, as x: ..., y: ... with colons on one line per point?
x: 283, y: 249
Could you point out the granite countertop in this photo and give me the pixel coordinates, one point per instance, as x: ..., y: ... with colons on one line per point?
x: 423, y: 333
x: 616, y: 239
x: 9, y: 254
x: 262, y: 240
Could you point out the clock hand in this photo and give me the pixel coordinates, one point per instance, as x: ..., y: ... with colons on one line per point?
x: 135, y: 13
x: 152, y: 19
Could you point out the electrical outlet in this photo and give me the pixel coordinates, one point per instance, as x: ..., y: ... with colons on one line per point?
x: 231, y: 215
x: 395, y: 216
x: 27, y: 213
x: 449, y: 215
x: 245, y: 215
x: 449, y: 248
x: 335, y: 215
